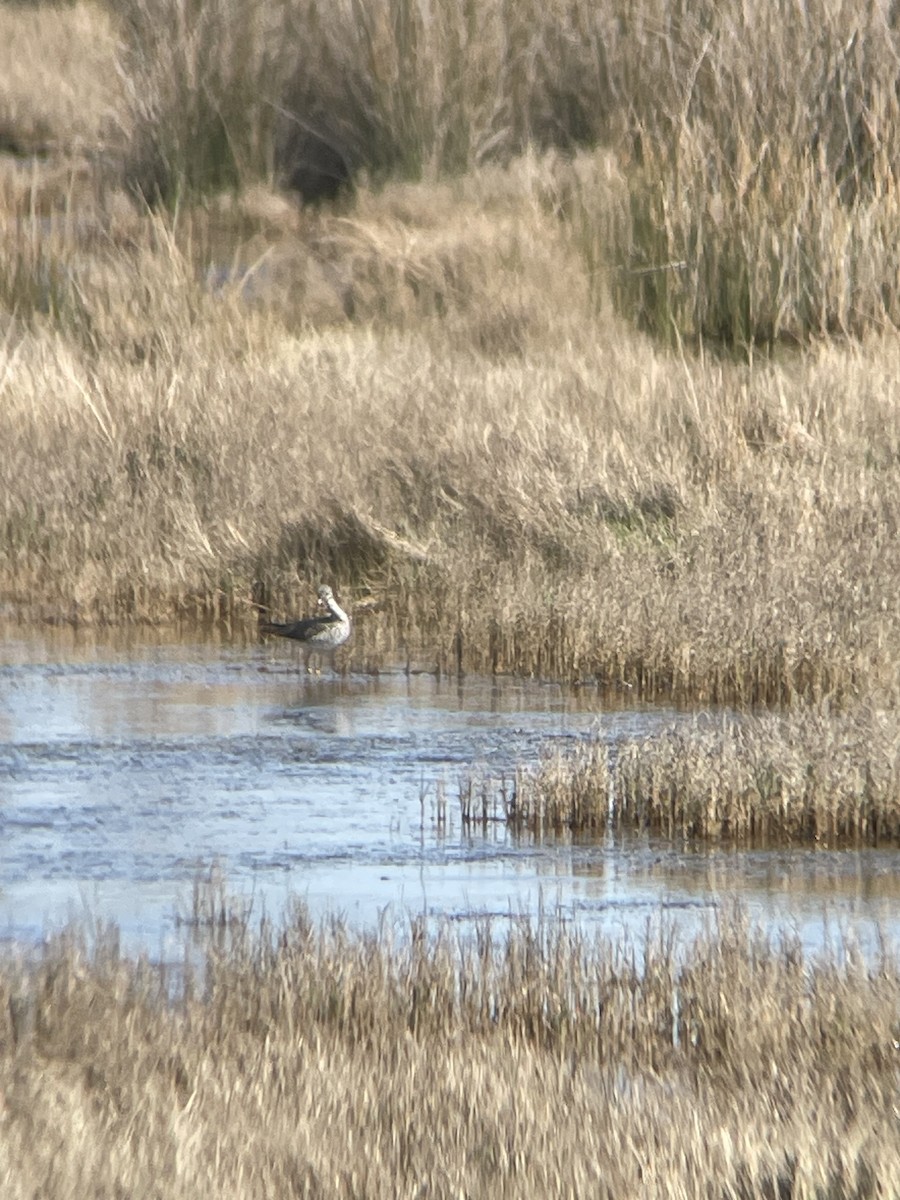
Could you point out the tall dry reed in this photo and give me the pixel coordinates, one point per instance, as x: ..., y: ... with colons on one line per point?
x: 757, y: 140
x: 521, y: 486
x: 805, y: 777
x: 310, y: 1060
x: 60, y: 93
x: 423, y: 399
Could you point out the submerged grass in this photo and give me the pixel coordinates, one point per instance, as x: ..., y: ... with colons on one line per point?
x: 309, y: 1060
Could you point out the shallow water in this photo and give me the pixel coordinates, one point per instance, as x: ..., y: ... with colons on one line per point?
x: 128, y: 766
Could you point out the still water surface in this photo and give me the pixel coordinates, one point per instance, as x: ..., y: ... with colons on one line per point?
x: 127, y: 766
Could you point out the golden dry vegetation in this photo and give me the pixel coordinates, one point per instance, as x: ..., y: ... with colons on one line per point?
x: 439, y: 394
x: 308, y: 1061
x: 593, y: 376
x: 802, y: 776
x: 585, y: 380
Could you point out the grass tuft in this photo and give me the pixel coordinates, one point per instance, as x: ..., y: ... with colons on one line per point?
x: 803, y: 777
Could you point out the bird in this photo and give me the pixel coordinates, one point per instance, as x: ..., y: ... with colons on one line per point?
x: 320, y: 635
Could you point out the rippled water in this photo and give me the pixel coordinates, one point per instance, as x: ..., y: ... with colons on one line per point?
x: 127, y: 767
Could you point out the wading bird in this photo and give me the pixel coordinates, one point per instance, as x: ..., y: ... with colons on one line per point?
x: 319, y: 635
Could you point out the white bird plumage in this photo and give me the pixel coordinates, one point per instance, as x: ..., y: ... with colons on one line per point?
x: 320, y: 635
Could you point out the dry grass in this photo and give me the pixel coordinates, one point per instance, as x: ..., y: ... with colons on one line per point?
x: 521, y: 485
x: 315, y: 1062
x: 428, y: 397
x: 759, y: 140
x: 440, y: 398
x: 803, y: 777
x: 59, y: 90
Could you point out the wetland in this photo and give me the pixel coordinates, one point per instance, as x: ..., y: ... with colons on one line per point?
x: 560, y: 338
x: 133, y: 766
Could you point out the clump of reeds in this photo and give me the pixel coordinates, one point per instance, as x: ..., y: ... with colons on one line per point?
x: 755, y: 210
x: 760, y: 208
x: 388, y: 87
x: 567, y: 791
x: 204, y: 84
x: 60, y: 94
x: 310, y: 1059
x: 804, y: 776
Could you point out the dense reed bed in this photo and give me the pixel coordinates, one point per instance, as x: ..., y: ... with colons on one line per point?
x: 311, y: 1061
x: 591, y: 376
x: 519, y: 486
x: 439, y: 396
x: 805, y: 776
x: 757, y: 140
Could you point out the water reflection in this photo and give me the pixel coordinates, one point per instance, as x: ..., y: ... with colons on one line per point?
x: 128, y: 765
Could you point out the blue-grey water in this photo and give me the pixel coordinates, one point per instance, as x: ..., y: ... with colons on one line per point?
x: 129, y: 767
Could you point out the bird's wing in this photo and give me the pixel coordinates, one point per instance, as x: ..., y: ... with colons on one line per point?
x: 301, y: 630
